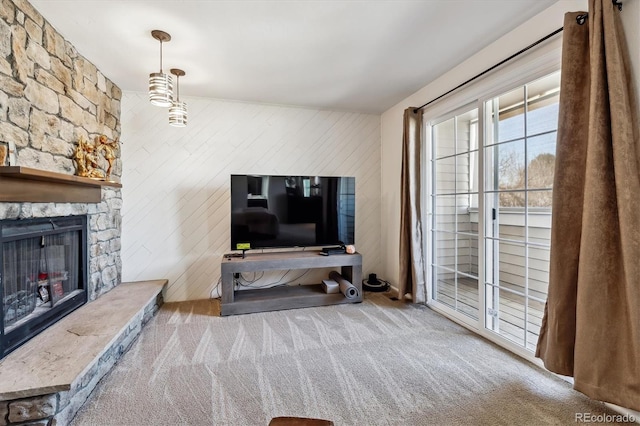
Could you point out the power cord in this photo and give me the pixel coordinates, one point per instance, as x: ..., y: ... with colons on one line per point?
x: 241, y: 281
x: 273, y: 283
x: 215, y: 290
x: 247, y: 281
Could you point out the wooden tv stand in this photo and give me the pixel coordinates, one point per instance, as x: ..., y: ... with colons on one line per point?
x: 285, y: 297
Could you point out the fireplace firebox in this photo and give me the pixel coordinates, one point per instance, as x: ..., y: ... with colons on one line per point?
x: 43, y: 275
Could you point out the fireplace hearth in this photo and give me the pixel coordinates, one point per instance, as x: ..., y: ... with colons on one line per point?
x: 43, y: 275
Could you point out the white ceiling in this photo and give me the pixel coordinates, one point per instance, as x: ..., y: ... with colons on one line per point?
x: 345, y: 55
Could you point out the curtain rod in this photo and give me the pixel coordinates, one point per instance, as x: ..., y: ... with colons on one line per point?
x: 580, y: 19
x: 475, y: 77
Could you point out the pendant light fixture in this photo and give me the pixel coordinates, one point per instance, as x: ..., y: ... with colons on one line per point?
x: 178, y: 110
x: 160, y: 84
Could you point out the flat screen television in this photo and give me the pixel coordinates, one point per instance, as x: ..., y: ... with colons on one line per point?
x: 291, y: 211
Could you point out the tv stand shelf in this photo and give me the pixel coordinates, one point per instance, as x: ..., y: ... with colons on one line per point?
x: 286, y: 297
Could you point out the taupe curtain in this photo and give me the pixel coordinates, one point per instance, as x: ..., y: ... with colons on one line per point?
x: 411, y: 280
x: 591, y: 326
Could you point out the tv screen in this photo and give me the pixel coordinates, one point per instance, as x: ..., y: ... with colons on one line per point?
x: 291, y: 211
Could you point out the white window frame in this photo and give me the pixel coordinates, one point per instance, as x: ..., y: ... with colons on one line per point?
x: 536, y: 63
x: 429, y: 244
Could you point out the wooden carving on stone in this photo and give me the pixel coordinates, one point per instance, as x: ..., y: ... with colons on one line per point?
x: 4, y: 152
x: 88, y: 157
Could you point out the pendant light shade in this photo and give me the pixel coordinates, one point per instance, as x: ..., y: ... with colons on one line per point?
x: 160, y: 84
x: 178, y: 110
x: 160, y: 89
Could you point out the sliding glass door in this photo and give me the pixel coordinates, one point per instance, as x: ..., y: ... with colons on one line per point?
x: 495, y: 275
x: 454, y: 230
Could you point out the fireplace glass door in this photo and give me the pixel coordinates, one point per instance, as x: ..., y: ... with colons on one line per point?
x: 41, y: 276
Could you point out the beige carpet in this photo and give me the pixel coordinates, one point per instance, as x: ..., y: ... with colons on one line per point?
x: 376, y: 363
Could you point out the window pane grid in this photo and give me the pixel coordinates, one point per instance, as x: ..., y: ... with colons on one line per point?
x: 511, y: 241
x: 464, y: 274
x: 444, y: 268
x: 457, y: 154
x: 526, y: 215
x: 533, y: 135
x: 506, y: 289
x: 519, y: 162
x: 537, y: 299
x: 499, y: 191
x: 463, y: 193
x: 454, y: 235
x: 518, y: 156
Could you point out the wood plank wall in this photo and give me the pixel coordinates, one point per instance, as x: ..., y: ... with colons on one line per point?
x: 176, y: 199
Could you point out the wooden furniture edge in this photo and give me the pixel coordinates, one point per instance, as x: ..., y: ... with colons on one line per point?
x: 26, y: 185
x: 351, y: 269
x: 20, y: 172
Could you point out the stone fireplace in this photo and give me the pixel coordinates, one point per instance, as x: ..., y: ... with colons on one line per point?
x: 50, y: 97
x: 43, y: 275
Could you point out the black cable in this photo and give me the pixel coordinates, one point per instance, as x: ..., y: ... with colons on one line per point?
x: 213, y: 290
x: 276, y: 283
x: 251, y: 281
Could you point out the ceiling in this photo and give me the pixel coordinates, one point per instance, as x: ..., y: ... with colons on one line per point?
x: 344, y: 55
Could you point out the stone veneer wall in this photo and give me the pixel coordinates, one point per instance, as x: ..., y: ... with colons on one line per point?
x: 59, y: 408
x: 50, y: 96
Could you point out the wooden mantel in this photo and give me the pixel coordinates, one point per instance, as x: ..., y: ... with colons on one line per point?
x: 23, y: 184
